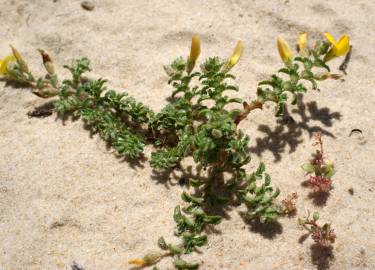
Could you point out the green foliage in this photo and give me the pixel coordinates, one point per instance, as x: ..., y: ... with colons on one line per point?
x: 301, y: 68
x: 208, y: 133
x: 183, y: 265
x: 19, y: 75
x: 260, y: 199
x: 197, y: 123
x: 77, y: 68
x: 115, y: 116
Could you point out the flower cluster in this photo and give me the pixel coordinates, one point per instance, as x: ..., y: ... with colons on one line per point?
x: 289, y: 204
x: 14, y: 68
x: 336, y: 49
x: 320, y: 169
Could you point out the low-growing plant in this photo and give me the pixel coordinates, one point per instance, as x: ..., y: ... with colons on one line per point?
x: 200, y: 121
x: 319, y: 169
x: 324, y: 235
x: 289, y: 204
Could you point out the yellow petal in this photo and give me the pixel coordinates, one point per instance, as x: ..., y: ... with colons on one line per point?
x: 139, y: 262
x: 342, y: 46
x: 302, y: 45
x: 330, y: 38
x: 339, y: 48
x: 195, y: 48
x: 284, y: 50
x: 5, y: 62
x: 302, y: 40
x: 236, y: 55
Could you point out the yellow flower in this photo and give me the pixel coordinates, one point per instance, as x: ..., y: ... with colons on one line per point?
x: 194, y: 53
x: 138, y: 262
x: 236, y: 55
x: 284, y: 50
x: 339, y: 48
x: 5, y: 62
x: 302, y: 41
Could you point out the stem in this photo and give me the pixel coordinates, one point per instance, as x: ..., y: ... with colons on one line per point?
x: 247, y: 108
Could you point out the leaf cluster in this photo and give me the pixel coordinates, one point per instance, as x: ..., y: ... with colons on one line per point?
x: 115, y: 116
x: 190, y: 126
x: 260, y: 199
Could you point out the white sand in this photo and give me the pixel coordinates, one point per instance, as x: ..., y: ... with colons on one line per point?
x: 65, y: 198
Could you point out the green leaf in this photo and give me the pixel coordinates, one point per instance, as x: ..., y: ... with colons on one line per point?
x: 183, y: 265
x: 177, y: 216
x: 267, y: 179
x: 328, y: 171
x: 308, y: 167
x: 162, y: 244
x: 276, y: 193
x: 191, y: 199
x: 261, y: 169
x: 195, y: 182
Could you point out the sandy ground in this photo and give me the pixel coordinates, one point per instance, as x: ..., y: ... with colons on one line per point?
x: 65, y: 198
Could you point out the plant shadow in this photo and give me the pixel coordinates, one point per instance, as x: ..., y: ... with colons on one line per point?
x: 15, y: 84
x: 321, y: 256
x: 319, y: 198
x: 219, y: 199
x: 266, y: 230
x: 177, y: 175
x: 41, y: 111
x: 303, y: 238
x: 288, y: 132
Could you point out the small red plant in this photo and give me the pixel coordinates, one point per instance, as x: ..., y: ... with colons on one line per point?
x: 319, y: 169
x: 324, y: 235
x: 289, y: 204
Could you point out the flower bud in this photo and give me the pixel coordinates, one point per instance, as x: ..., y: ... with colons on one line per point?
x: 236, y: 55
x: 194, y: 53
x: 284, y: 50
x: 47, y: 62
x: 301, y: 45
x: 138, y: 262
x: 149, y: 259
x: 20, y: 61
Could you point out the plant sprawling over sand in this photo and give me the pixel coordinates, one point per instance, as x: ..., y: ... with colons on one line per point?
x: 200, y: 121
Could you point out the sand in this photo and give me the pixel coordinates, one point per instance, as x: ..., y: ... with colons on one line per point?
x: 64, y: 197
